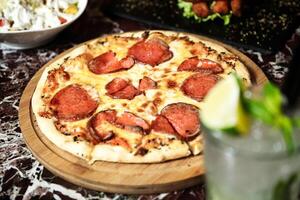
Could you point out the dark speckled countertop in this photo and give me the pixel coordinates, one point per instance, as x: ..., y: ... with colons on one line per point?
x: 21, y: 175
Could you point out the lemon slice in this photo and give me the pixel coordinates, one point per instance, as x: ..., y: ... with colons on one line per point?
x: 223, y: 108
x: 72, y: 9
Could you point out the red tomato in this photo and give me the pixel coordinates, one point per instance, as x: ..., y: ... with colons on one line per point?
x: 62, y: 20
x: 2, y: 22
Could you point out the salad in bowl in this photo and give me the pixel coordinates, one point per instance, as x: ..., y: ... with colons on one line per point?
x: 30, y: 23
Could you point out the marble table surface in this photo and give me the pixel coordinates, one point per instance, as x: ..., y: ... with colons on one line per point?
x: 21, y: 175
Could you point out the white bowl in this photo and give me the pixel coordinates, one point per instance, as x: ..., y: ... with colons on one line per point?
x: 33, y: 38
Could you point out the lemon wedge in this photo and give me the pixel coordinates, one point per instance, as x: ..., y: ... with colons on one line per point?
x: 223, y: 108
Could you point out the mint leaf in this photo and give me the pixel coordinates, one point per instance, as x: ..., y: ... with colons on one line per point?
x: 258, y: 110
x: 286, y: 126
x: 283, y: 189
x: 296, y: 122
x: 272, y: 98
x: 268, y: 109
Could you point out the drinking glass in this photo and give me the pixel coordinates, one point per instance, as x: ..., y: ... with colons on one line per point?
x: 252, y: 167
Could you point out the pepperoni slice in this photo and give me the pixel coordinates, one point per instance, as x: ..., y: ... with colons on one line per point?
x: 104, y: 63
x: 94, y: 125
x: 116, y: 85
x: 120, y: 88
x: 184, y: 118
x: 200, y: 65
x: 197, y: 85
x: 129, y: 92
x: 127, y: 62
x: 146, y: 84
x: 129, y: 119
x: 153, y: 51
x: 161, y: 124
x: 73, y: 103
x: 108, y: 62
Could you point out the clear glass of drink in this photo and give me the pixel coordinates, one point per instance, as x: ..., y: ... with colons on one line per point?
x: 252, y: 167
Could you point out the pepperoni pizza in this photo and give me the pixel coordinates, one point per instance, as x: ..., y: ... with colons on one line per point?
x: 133, y: 97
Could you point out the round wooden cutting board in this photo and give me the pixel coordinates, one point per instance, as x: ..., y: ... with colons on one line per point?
x: 115, y: 177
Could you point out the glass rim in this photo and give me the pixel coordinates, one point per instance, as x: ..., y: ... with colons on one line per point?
x: 247, y: 153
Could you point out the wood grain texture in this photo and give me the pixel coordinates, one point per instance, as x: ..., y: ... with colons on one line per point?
x: 115, y: 177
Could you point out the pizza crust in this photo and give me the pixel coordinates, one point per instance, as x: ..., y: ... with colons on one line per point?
x: 105, y: 152
x: 176, y: 149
